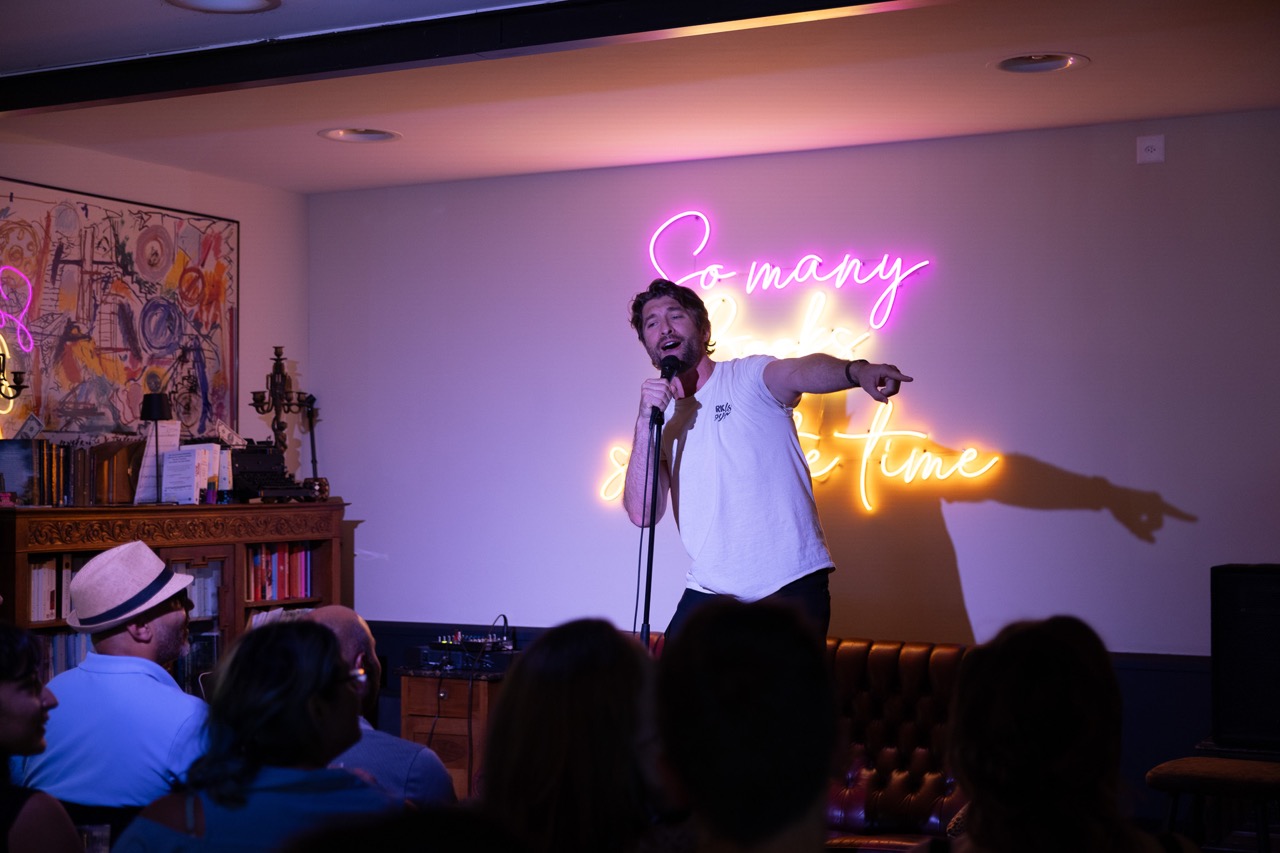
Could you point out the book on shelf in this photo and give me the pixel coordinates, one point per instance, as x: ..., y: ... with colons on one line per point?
x: 276, y: 614
x: 203, y: 590
x: 161, y: 437
x: 40, y: 472
x: 62, y: 652
x: 45, y: 577
x: 189, y: 475
x: 114, y: 468
x: 225, y: 481
x: 71, y: 563
x: 51, y: 587
x: 27, y: 469
x: 278, y: 570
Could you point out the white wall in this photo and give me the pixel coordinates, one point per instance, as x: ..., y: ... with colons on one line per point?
x: 273, y: 255
x: 1082, y: 316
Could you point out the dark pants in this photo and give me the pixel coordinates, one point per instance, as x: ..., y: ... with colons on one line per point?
x: 810, y: 595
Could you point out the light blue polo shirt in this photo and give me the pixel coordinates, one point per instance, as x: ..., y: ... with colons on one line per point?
x: 122, y: 734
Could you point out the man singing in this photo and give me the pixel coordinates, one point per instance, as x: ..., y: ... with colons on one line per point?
x: 731, y: 459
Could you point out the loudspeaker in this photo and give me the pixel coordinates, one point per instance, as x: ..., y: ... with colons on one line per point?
x: 1245, y: 655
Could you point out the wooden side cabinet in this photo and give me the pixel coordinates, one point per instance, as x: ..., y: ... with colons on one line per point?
x: 449, y: 712
x: 247, y: 559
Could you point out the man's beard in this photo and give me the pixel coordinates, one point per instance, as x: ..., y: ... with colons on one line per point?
x: 687, y: 352
x: 177, y: 645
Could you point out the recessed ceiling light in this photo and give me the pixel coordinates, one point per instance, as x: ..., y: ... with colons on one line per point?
x: 229, y: 6
x: 359, y: 134
x: 1037, y: 63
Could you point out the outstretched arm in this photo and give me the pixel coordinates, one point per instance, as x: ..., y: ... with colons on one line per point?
x: 636, y: 491
x: 819, y: 373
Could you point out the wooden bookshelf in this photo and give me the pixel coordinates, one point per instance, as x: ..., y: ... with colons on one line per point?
x: 212, y: 541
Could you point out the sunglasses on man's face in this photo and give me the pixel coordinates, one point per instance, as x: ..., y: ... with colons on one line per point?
x: 180, y: 601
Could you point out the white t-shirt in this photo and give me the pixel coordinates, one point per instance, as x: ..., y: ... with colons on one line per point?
x: 740, y: 486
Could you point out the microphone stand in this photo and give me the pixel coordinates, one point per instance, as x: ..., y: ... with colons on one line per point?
x: 668, y: 367
x: 656, y: 420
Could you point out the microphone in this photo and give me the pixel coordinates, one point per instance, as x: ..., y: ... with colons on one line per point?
x: 669, y: 367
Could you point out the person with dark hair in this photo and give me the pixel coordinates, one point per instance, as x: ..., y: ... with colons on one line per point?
x: 570, y: 759
x: 731, y: 457
x: 124, y: 731
x: 747, y: 718
x: 408, y: 770
x: 435, y: 829
x: 31, y: 821
x: 1034, y: 744
x: 284, y: 704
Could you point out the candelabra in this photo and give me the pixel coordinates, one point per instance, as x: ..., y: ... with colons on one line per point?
x: 280, y: 399
x: 11, y: 388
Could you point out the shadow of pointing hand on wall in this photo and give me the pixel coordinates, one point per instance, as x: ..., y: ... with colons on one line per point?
x: 887, y: 556
x: 1142, y: 513
x: 1034, y: 484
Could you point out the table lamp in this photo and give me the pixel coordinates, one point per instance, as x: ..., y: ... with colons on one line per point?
x: 156, y: 408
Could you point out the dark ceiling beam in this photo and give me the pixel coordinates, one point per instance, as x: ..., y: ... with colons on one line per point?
x: 461, y: 38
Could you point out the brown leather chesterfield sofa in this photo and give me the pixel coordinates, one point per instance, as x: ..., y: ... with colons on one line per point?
x: 891, y: 789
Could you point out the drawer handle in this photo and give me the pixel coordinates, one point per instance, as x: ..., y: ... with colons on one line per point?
x: 443, y: 694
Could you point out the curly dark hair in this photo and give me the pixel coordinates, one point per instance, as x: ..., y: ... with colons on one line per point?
x: 686, y: 298
x: 561, y: 767
x: 20, y: 655
x: 747, y: 714
x: 258, y: 713
x: 1035, y: 739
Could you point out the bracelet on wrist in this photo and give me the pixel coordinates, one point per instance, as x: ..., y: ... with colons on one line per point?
x: 853, y: 382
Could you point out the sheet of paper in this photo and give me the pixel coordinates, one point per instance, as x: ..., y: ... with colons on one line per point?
x: 170, y: 435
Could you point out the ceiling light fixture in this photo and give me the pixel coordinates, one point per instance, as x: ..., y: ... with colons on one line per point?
x: 1038, y: 63
x: 226, y: 6
x: 359, y: 134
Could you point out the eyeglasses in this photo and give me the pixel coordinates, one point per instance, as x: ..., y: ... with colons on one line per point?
x: 177, y: 601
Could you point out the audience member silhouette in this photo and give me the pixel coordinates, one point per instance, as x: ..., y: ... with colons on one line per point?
x: 1035, y: 745
x: 31, y: 821
x: 435, y: 829
x: 284, y: 704
x: 570, y: 760
x: 124, y: 731
x: 747, y: 716
x: 407, y: 770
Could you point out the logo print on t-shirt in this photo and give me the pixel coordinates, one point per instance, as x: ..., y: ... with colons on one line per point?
x: 723, y: 410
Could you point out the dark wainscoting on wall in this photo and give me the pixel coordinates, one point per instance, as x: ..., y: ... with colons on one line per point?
x: 1166, y: 713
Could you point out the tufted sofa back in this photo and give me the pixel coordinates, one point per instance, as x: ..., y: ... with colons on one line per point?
x: 891, y: 788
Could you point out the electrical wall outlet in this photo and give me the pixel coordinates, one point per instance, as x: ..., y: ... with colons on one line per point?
x: 1151, y: 149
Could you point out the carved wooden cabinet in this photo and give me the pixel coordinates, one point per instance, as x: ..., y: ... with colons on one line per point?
x: 248, y: 559
x: 449, y: 713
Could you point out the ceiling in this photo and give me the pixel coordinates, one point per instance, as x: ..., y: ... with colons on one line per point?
x: 598, y: 83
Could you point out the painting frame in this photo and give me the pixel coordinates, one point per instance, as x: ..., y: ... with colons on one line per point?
x: 105, y: 299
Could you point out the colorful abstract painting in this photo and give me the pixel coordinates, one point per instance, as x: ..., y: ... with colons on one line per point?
x: 103, y: 300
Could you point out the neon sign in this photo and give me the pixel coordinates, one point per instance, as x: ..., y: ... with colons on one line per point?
x: 921, y: 462
x: 809, y: 268
x: 902, y: 455
x: 814, y: 335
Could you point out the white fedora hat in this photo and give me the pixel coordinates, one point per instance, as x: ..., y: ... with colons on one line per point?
x: 119, y: 584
